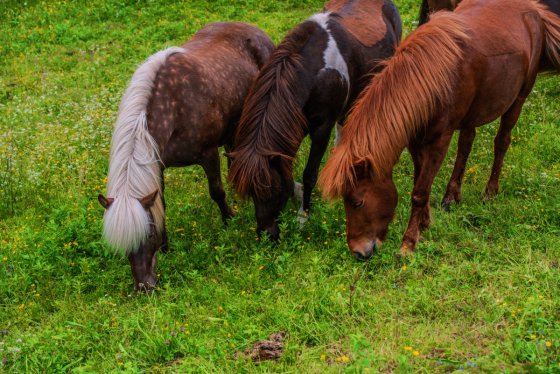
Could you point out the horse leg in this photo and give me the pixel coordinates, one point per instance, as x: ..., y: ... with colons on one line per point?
x: 453, y: 192
x: 319, y: 141
x: 501, y: 144
x: 417, y: 161
x: 211, y: 166
x: 429, y: 159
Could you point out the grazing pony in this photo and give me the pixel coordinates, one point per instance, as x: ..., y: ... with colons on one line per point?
x: 458, y: 71
x: 180, y: 106
x: 310, y: 82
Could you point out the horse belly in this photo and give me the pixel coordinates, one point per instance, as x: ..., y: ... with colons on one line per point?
x: 498, y: 87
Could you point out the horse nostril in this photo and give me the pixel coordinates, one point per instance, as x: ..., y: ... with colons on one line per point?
x: 365, y: 253
x: 363, y: 257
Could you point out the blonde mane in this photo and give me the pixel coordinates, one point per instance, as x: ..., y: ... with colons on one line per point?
x: 134, y: 167
x: 398, y: 102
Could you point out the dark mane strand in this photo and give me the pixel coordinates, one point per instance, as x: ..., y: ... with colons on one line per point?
x: 272, y: 122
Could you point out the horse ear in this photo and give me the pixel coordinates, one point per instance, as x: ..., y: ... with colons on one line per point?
x: 149, y: 200
x: 105, y: 201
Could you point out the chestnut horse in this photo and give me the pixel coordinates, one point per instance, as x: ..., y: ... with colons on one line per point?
x: 466, y: 136
x: 310, y: 82
x: 180, y: 106
x: 458, y: 71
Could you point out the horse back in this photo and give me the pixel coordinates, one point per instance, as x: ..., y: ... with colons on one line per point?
x: 367, y: 20
x: 501, y: 57
x: 198, y: 95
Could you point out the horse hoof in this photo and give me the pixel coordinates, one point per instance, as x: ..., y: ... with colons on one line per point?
x: 302, y: 217
x: 145, y: 288
x: 226, y: 217
x: 407, y: 249
x: 446, y: 204
x: 489, y: 193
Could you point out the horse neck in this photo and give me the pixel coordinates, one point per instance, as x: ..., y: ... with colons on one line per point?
x: 275, y: 123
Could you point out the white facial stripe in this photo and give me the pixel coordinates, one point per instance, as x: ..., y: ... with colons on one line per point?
x: 332, y: 57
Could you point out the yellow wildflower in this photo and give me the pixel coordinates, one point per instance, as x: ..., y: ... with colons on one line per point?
x: 416, y: 353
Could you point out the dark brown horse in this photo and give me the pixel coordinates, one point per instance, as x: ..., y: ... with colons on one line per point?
x: 430, y: 6
x: 310, y: 82
x: 466, y: 137
x: 180, y: 106
x: 458, y: 71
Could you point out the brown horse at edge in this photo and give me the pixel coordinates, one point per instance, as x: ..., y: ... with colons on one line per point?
x: 457, y: 72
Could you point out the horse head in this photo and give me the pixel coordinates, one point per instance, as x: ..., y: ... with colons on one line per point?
x: 142, y: 256
x: 370, y: 206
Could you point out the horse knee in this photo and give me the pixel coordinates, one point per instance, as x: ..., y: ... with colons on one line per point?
x: 419, y: 200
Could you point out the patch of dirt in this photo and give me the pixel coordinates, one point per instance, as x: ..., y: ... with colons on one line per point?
x: 264, y: 350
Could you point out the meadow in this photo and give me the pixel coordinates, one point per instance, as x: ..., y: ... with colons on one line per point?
x: 482, y: 292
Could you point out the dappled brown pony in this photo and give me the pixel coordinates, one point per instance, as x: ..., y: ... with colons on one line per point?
x: 180, y: 106
x: 458, y: 71
x: 310, y: 82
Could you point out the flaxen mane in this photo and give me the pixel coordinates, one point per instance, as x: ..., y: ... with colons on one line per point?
x: 134, y: 167
x: 272, y: 122
x: 398, y: 101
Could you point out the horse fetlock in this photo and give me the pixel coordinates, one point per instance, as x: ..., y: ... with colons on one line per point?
x: 425, y: 218
x: 451, y: 198
x: 491, y: 190
x: 407, y: 248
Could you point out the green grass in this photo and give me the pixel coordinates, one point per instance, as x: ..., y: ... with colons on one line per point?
x: 483, y: 287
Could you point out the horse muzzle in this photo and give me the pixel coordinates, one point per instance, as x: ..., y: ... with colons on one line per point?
x: 363, y: 250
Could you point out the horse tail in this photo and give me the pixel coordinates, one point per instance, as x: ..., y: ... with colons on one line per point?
x: 551, y: 23
x: 134, y: 166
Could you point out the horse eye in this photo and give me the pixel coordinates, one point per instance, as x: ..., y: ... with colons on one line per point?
x: 358, y: 204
